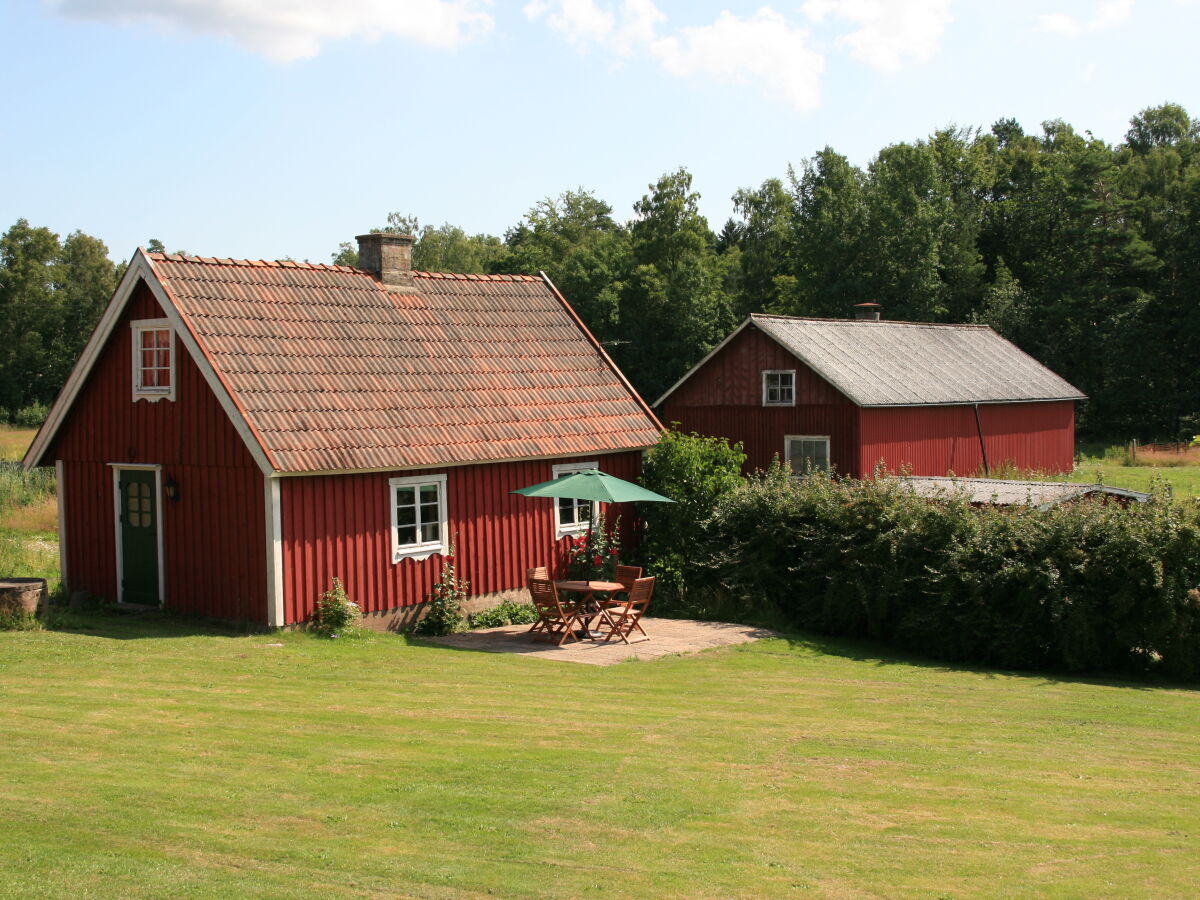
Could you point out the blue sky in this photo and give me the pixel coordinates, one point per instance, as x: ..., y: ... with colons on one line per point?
x: 272, y: 128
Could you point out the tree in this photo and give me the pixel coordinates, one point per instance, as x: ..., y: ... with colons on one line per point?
x: 51, y: 296
x: 575, y: 241
x: 445, y: 248
x: 674, y: 307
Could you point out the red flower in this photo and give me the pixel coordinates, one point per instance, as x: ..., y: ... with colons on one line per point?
x: 596, y: 560
x: 449, y: 560
x: 612, y: 552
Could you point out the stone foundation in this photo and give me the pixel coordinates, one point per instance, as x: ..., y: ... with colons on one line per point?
x: 406, y: 617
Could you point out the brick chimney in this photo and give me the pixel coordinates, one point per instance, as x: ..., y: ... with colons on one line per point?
x: 389, y: 258
x: 868, y: 312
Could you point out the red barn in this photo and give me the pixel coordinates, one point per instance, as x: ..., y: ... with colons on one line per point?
x: 846, y: 394
x: 237, y: 433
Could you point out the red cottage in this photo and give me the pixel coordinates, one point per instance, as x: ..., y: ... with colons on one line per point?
x: 930, y: 399
x: 237, y: 433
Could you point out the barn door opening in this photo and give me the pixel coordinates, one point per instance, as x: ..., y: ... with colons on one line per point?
x: 138, y: 536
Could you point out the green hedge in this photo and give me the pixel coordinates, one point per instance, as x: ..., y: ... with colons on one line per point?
x: 1086, y: 586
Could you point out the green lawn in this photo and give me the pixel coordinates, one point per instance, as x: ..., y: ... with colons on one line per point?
x: 147, y: 758
x: 1184, y: 480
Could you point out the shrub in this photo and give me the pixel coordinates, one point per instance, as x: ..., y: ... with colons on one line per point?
x: 336, y: 613
x: 695, y: 472
x: 21, y: 488
x: 1085, y: 586
x: 510, y: 612
x: 31, y: 416
x: 445, y: 614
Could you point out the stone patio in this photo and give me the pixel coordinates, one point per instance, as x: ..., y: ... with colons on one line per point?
x: 667, y: 636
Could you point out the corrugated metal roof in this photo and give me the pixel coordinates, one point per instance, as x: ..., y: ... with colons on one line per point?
x: 1004, y: 492
x: 335, y: 372
x: 916, y: 364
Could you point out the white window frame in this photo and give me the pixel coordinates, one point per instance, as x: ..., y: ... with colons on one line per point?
x: 426, y: 549
x: 571, y: 528
x: 765, y: 373
x: 787, y: 441
x: 152, y: 394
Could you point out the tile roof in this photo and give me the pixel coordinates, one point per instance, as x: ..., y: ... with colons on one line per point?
x: 881, y: 363
x: 1041, y: 494
x: 335, y: 372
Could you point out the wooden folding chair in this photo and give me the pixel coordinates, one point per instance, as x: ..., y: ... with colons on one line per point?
x: 541, y: 573
x: 557, y: 620
x: 624, y: 618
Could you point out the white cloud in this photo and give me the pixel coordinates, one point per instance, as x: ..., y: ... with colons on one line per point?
x: 890, y: 33
x: 286, y: 30
x: 762, y: 48
x: 1109, y: 14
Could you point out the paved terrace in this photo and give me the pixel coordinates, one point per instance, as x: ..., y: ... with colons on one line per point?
x: 667, y: 636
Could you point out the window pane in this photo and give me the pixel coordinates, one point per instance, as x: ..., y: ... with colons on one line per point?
x: 145, y: 339
x: 406, y: 534
x: 429, y: 512
x: 148, y: 359
x: 429, y: 493
x: 430, y: 533
x: 406, y: 495
x: 406, y: 515
x: 163, y: 338
x: 566, y: 511
x: 584, y: 511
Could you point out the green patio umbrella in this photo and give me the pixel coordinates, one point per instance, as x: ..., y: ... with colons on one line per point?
x: 592, y: 484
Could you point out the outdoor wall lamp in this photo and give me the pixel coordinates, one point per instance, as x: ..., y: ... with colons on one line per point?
x: 171, y: 488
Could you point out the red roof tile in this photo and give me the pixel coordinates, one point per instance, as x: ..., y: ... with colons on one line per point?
x: 335, y: 372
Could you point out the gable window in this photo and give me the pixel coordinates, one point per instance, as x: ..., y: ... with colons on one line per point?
x: 419, y: 521
x: 779, y: 387
x: 573, y: 516
x: 806, y: 452
x: 153, y: 360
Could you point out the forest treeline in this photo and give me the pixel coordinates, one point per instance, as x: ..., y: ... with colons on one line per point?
x: 1085, y: 254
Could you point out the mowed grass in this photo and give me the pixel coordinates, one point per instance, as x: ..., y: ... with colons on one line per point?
x: 146, y: 758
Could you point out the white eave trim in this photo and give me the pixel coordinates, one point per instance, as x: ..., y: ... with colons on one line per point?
x: 437, y: 466
x: 139, y: 269
x: 711, y: 353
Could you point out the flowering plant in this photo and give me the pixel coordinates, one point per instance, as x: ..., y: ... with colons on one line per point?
x: 446, y: 600
x: 595, y: 555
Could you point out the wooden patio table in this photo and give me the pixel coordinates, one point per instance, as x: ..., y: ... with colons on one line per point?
x: 588, y: 600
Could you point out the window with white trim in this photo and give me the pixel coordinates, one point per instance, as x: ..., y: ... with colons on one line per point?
x: 779, y: 387
x: 806, y: 452
x: 153, y: 360
x: 572, y: 516
x: 419, y: 522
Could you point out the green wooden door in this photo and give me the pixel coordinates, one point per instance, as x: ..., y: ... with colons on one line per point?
x: 139, y: 537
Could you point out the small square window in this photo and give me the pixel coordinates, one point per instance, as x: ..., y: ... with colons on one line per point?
x: 779, y: 387
x: 419, y: 521
x: 153, y: 360
x: 574, y: 515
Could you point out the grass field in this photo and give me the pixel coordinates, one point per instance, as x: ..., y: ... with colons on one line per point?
x: 146, y: 759
x: 28, y: 512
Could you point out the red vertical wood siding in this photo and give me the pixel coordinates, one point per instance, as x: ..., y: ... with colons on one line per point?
x: 214, y: 535
x: 936, y: 440
x: 340, y: 525
x: 724, y: 399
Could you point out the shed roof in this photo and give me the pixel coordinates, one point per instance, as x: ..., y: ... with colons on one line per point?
x: 1006, y: 492
x: 881, y: 363
x: 331, y: 371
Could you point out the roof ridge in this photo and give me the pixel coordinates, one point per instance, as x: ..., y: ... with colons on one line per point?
x: 249, y: 263
x: 327, y: 267
x: 873, y: 322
